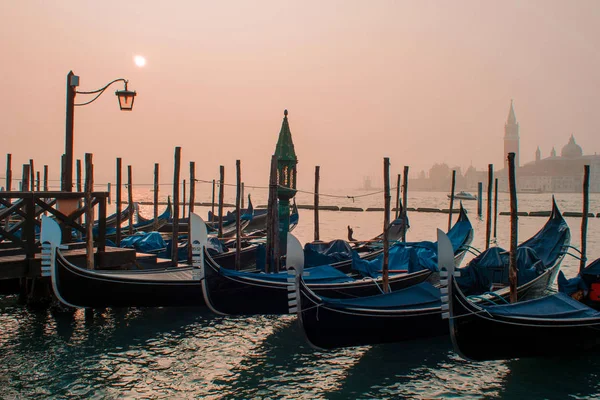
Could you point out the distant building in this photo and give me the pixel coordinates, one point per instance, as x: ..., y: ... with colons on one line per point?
x: 554, y: 174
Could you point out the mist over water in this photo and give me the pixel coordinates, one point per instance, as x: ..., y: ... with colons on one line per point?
x: 190, y: 353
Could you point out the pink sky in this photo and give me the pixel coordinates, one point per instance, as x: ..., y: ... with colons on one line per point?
x: 417, y: 81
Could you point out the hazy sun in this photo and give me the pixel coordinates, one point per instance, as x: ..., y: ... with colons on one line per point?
x: 140, y: 61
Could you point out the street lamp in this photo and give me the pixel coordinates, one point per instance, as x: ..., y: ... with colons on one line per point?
x: 126, y: 98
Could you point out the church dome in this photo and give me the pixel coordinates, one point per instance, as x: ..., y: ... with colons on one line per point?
x: 571, y: 149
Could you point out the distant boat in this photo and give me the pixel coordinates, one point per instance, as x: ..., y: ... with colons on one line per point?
x: 464, y: 196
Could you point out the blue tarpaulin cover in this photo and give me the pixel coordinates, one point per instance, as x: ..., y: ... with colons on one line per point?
x: 321, y: 274
x: 556, y: 306
x: 326, y: 253
x: 423, y: 295
x: 413, y: 256
x: 491, y: 266
x: 144, y: 242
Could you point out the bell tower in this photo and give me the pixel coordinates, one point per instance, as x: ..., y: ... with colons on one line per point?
x: 511, y: 137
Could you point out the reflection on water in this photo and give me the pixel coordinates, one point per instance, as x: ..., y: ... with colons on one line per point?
x: 189, y: 353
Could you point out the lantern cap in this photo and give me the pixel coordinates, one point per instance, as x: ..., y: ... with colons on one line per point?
x: 284, y: 151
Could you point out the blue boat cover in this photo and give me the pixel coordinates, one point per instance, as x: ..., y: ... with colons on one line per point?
x: 491, y: 266
x: 321, y: 274
x: 556, y: 306
x: 570, y: 286
x: 549, y: 241
x: 144, y: 242
x: 423, y: 295
x: 413, y: 256
x: 326, y: 253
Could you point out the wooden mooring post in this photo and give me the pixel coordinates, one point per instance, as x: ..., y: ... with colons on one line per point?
x: 386, y: 224
x: 398, y: 190
x: 495, y: 209
x: 9, y: 172
x: 272, y: 221
x: 192, y: 189
x: 479, y: 201
x: 38, y: 183
x: 488, y: 219
x: 183, y: 197
x: 130, y: 197
x: 79, y: 189
x: 404, y: 202
x: 213, y: 200
x: 512, y: 270
x: 243, y: 197
x: 156, y: 189
x: 175, y: 233
x: 452, y: 187
x: 238, y: 210
x: 221, y: 196
x: 25, y: 178
x: 89, y: 211
x: 118, y: 201
x: 584, y: 219
x: 45, y: 178
x: 316, y: 198
x: 32, y: 175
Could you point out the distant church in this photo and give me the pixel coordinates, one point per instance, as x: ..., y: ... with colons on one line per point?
x: 554, y: 174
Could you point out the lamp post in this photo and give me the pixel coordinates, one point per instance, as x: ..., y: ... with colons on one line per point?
x: 126, y: 98
x: 286, y: 181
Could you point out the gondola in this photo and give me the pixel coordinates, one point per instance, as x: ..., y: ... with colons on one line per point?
x: 79, y: 287
x: 555, y: 325
x: 415, y: 312
x: 111, y: 220
x: 241, y: 293
x: 143, y: 224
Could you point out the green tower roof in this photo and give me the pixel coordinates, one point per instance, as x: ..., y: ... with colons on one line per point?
x: 285, y: 146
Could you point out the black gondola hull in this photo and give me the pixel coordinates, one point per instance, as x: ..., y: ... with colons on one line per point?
x: 478, y: 336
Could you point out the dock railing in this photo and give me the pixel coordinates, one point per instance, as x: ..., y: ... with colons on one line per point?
x: 20, y: 214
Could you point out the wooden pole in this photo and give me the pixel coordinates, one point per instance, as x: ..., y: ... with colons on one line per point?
x: 183, y: 197
x: 512, y: 271
x: 32, y: 175
x: 78, y: 174
x: 488, y: 219
x: 192, y: 188
x: 213, y: 200
x: 221, y: 195
x: 156, y: 189
x: 108, y: 187
x: 238, y: 210
x: 25, y: 179
x: 8, y: 172
x: 398, y: 190
x: 45, y: 178
x: 118, y: 201
x: 175, y: 236
x: 584, y: 219
x: 89, y: 214
x: 63, y: 168
x: 317, y: 178
x: 479, y: 201
x: 495, y: 208
x: 452, y: 187
x: 38, y: 185
x: 243, y: 197
x: 386, y: 224
x: 405, y: 203
x: 130, y: 197
x: 272, y: 221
